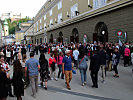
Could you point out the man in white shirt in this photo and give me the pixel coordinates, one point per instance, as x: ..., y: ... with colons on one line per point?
x: 75, y: 55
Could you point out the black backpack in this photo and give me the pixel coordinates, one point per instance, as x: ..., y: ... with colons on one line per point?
x: 44, y: 65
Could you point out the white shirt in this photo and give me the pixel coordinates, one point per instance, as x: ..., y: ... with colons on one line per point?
x: 8, y: 54
x: 75, y: 54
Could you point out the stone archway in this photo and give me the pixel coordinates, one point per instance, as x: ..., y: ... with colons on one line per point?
x: 101, y: 33
x: 60, y: 38
x: 75, y: 36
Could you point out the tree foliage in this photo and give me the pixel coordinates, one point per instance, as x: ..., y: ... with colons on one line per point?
x: 14, y: 26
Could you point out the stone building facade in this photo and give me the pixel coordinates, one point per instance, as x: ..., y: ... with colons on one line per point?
x: 77, y: 20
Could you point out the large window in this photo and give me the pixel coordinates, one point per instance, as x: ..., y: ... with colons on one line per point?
x: 59, y: 17
x: 51, y: 22
x: 99, y: 3
x: 50, y: 13
x: 37, y: 26
x: 88, y: 2
x: 40, y: 28
x: 60, y: 5
x: 74, y: 9
x: 44, y: 17
x: 41, y: 40
x: 45, y: 26
x: 40, y: 20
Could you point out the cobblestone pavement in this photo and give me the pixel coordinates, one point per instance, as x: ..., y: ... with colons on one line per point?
x: 114, y: 88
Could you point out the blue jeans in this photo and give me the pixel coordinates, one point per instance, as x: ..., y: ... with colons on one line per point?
x: 83, y: 75
x: 60, y: 70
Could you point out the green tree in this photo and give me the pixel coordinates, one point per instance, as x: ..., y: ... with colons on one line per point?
x: 14, y: 26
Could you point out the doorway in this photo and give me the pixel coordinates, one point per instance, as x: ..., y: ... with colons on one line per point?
x: 75, y: 36
x: 101, y: 33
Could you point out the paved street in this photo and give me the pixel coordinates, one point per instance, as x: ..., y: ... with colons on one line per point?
x: 114, y: 88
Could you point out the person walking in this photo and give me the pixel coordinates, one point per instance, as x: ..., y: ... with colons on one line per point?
x: 75, y: 55
x: 23, y: 51
x: 36, y: 49
x: 44, y: 70
x: 83, y: 67
x: 94, y: 68
x: 67, y: 68
x: 17, y: 80
x: 52, y: 62
x: 115, y: 61
x: 33, y: 66
x: 6, y: 68
x: 4, y: 81
x: 59, y: 63
x: 102, y: 59
x: 26, y: 79
x: 126, y: 56
x: 8, y: 56
x: 19, y: 55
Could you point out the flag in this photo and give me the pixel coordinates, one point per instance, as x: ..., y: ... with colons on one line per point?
x: 120, y: 43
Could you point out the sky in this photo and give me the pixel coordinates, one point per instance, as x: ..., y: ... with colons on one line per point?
x: 25, y: 7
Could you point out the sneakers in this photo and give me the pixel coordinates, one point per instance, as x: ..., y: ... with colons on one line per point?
x: 83, y: 84
x: 116, y: 76
x: 11, y: 95
x: 103, y: 81
x: 45, y: 88
x: 93, y: 86
x: 69, y: 88
x: 56, y: 79
x: 33, y: 96
x: 52, y: 78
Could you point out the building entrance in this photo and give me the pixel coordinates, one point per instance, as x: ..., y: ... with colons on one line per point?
x: 101, y: 33
x: 75, y: 36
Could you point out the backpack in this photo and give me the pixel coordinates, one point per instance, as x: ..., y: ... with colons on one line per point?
x: 44, y: 65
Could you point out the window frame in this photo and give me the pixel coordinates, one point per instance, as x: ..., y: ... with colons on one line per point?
x: 59, y: 4
x: 44, y: 17
x: 59, y: 17
x: 50, y: 12
x: 73, y: 14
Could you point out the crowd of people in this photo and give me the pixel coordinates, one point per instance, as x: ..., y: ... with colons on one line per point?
x: 67, y: 58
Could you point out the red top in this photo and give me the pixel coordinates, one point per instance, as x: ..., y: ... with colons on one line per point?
x: 51, y: 60
x: 127, y: 52
x: 59, y: 60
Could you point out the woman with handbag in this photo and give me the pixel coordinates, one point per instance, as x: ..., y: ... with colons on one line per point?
x: 83, y: 67
x: 52, y: 66
x: 44, y: 71
x: 18, y: 83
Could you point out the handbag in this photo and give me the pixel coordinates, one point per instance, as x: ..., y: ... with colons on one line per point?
x: 81, y: 60
x: 74, y: 71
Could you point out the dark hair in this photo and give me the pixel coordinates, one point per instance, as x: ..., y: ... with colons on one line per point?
x: 1, y: 56
x: 51, y: 54
x: 82, y: 53
x: 17, y: 66
x: 31, y: 54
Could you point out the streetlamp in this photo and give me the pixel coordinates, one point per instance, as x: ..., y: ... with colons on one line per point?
x: 103, y: 32
x: 103, y: 35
